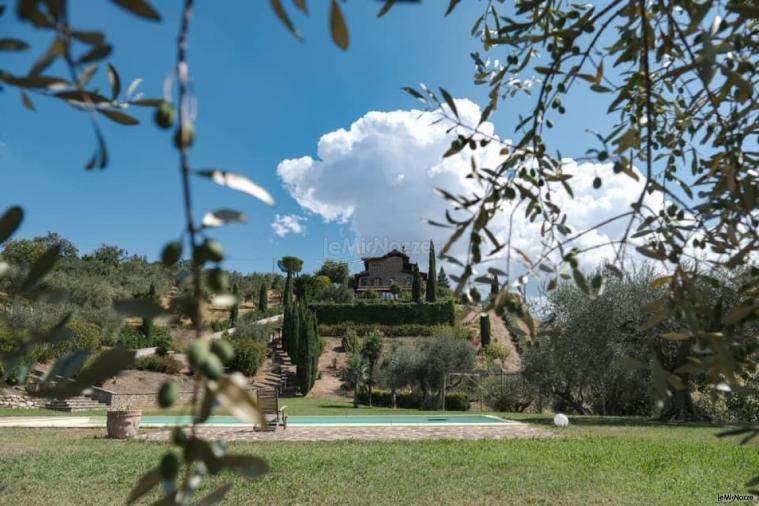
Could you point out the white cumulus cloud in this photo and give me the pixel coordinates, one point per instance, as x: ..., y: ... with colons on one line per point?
x: 284, y: 224
x: 379, y: 175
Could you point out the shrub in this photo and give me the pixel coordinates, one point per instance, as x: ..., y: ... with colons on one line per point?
x: 250, y: 330
x: 248, y: 357
x: 163, y: 343
x: 457, y: 401
x: 732, y: 407
x: 497, y: 351
x: 134, y: 339
x: 369, y: 295
x: 84, y: 336
x: 220, y: 325
x: 456, y: 331
x: 509, y: 393
x: 350, y: 341
x: 157, y: 363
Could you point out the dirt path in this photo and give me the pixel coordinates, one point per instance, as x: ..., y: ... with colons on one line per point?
x: 499, y: 334
x: 328, y: 385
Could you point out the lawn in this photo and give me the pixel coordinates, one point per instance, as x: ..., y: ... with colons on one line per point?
x: 595, y: 461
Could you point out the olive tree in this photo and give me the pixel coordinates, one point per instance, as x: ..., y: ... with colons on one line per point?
x: 82, y: 51
x: 677, y: 79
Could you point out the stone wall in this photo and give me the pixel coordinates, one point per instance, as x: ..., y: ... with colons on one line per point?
x: 19, y: 400
x: 136, y: 400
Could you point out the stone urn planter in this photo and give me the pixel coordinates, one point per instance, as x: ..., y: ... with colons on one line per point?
x: 123, y: 423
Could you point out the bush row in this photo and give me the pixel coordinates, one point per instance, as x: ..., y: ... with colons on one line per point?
x: 454, y: 401
x: 340, y: 329
x: 157, y: 363
x: 435, y: 313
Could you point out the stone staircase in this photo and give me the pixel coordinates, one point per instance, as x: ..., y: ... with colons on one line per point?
x: 79, y: 403
x: 278, y: 373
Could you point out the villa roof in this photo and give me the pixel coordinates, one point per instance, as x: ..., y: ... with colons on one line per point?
x: 393, y: 253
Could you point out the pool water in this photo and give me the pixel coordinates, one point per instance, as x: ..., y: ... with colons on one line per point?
x: 334, y: 421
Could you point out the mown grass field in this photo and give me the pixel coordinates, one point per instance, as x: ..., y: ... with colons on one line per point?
x: 595, y: 461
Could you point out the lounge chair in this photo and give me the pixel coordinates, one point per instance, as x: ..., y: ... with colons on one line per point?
x: 268, y: 401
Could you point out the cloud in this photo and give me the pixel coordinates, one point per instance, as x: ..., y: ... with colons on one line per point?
x: 379, y: 176
x: 284, y: 224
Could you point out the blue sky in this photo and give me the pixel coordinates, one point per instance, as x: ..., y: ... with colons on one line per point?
x: 263, y: 97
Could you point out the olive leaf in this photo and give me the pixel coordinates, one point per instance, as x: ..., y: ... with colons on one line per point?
x: 338, y: 27
x: 115, y: 80
x: 139, y: 8
x: 237, y: 182
x: 248, y: 466
x: 138, y: 307
x: 239, y: 401
x: 281, y: 13
x: 119, y: 117
x: 386, y: 8
x: 215, y: 497
x: 106, y: 365
x: 10, y: 221
x: 146, y: 483
x: 41, y: 268
x: 11, y: 44
x: 222, y: 217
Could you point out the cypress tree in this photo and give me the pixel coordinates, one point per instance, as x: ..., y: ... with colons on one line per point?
x: 303, y: 362
x: 484, y: 330
x: 234, y: 310
x: 288, y: 292
x: 309, y: 349
x: 494, y: 286
x: 146, y: 328
x: 431, y: 279
x: 286, y: 321
x: 442, y: 278
x: 294, y: 331
x: 316, y: 348
x: 263, y: 299
x: 416, y: 286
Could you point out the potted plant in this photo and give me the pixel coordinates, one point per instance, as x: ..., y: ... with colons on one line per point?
x: 123, y: 422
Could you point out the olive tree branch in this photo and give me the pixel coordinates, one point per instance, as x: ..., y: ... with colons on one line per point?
x: 650, y: 127
x: 183, y: 77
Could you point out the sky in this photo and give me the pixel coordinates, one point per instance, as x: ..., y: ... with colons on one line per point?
x: 329, y: 133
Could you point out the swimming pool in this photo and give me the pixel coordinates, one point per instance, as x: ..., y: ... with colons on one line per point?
x: 337, y: 421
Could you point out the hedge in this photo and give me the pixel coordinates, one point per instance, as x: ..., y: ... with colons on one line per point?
x: 454, y: 401
x: 395, y: 313
x: 156, y: 363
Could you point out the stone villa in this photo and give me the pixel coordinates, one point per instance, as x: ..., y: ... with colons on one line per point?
x: 380, y: 273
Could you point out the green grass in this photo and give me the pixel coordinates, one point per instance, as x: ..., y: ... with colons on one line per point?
x: 595, y: 461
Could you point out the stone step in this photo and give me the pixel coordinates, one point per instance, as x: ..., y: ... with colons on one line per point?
x: 78, y: 403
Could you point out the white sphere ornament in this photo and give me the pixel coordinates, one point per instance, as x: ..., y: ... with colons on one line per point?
x: 561, y: 420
